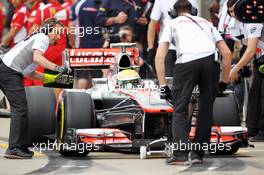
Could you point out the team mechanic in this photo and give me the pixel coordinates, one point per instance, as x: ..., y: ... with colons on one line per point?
x: 160, y: 14
x: 254, y: 40
x: 23, y: 60
x: 195, y: 40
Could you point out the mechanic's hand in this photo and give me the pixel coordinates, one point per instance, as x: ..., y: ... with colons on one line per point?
x: 151, y: 56
x: 165, y: 93
x: 62, y: 69
x: 233, y: 76
x: 245, y: 72
x: 59, y: 78
x: 121, y: 18
x: 142, y: 21
x: 221, y: 87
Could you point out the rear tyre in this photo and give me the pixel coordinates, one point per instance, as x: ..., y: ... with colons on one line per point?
x: 226, y: 111
x: 76, y: 112
x: 41, y: 112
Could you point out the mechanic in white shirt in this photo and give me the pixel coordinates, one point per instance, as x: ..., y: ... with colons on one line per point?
x: 160, y: 14
x: 195, y: 40
x: 19, y: 61
x: 254, y: 40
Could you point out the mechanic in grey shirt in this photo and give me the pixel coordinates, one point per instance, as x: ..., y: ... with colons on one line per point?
x: 19, y: 61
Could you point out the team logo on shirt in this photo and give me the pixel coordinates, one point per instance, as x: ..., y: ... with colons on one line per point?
x: 253, y: 29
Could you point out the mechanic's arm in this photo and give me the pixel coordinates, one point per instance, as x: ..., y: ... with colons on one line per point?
x: 119, y: 19
x: 103, y: 18
x: 160, y: 62
x: 143, y: 21
x: 36, y: 76
x: 226, y: 61
x: 49, y: 78
x: 9, y: 36
x: 39, y: 59
x: 152, y: 33
x: 248, y: 55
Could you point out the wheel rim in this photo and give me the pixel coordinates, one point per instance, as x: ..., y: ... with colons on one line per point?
x: 60, y: 122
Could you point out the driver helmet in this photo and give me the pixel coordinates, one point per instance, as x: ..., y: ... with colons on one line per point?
x: 129, y: 78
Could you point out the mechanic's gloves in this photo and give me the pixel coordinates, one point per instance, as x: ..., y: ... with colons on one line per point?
x: 151, y: 56
x: 165, y: 92
x: 222, y: 87
x: 62, y: 69
x: 245, y: 72
x: 59, y: 78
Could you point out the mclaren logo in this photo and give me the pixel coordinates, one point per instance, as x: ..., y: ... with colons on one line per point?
x: 95, y: 52
x: 82, y: 57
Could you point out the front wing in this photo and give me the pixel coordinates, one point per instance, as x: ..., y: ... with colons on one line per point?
x: 121, y: 140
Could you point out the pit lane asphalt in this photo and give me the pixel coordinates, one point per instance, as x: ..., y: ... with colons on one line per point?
x: 246, y: 161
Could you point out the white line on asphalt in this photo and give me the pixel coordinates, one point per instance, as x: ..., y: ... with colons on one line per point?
x: 216, y: 163
x: 212, y: 168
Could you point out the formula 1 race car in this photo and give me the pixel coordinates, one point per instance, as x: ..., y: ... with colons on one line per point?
x: 111, y: 116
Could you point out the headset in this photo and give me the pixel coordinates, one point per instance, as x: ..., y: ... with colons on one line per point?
x: 174, y: 14
x: 48, y: 25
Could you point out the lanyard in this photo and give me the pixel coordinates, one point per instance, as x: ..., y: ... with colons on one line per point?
x: 200, y: 27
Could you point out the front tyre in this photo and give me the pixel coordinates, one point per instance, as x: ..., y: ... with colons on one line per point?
x: 76, y: 111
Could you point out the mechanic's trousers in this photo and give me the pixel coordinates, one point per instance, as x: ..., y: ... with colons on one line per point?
x: 203, y: 72
x: 11, y: 83
x: 255, y: 107
x: 170, y: 62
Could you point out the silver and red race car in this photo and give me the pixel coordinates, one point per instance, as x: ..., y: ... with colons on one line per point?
x: 107, y: 117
